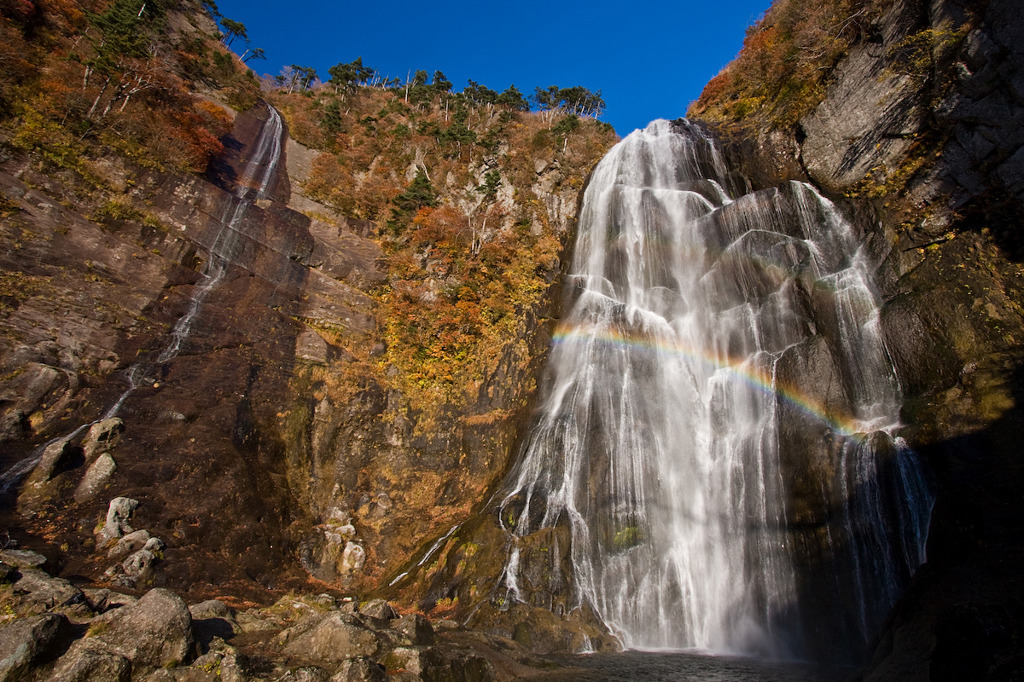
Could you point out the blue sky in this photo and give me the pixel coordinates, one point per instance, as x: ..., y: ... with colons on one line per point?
x: 650, y: 60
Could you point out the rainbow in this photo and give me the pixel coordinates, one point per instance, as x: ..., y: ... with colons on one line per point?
x: 846, y: 425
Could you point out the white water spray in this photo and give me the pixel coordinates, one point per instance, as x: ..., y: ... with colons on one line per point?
x: 716, y: 351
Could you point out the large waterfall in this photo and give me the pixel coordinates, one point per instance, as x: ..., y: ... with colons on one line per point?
x: 718, y: 435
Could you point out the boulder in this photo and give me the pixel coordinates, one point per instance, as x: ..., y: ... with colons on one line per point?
x: 335, y: 638
x: 57, y: 457
x: 102, y: 437
x: 119, y: 513
x: 139, y: 566
x: 96, y: 478
x: 416, y: 628
x: 134, y: 571
x: 211, y: 608
x: 24, y: 640
x: 154, y: 545
x: 211, y: 619
x: 360, y: 669
x: 22, y: 558
x: 307, y: 673
x: 128, y: 544
x: 154, y: 632
x: 47, y: 591
x: 378, y: 608
x: 100, y: 600
x: 222, y: 666
x: 427, y: 663
x: 91, y: 659
x: 352, y: 559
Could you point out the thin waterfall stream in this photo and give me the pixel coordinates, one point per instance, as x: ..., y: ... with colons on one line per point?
x: 720, y: 435
x: 253, y: 183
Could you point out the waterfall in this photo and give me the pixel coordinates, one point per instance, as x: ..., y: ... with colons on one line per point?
x: 254, y: 181
x: 719, y: 432
x: 252, y: 185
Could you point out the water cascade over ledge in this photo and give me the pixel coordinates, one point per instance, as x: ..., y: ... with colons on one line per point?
x: 257, y: 174
x: 718, y: 442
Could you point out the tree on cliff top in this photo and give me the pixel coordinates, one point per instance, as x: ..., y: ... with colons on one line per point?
x: 576, y: 100
x: 233, y: 29
x: 350, y: 75
x: 513, y: 99
x: 419, y: 194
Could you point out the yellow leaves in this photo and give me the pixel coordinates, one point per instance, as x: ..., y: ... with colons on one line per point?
x: 464, y: 275
x: 915, y: 54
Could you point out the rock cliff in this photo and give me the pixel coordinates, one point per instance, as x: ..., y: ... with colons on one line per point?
x: 292, y: 440
x: 258, y: 415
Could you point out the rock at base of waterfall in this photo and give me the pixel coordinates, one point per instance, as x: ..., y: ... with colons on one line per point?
x: 415, y: 628
x: 47, y: 591
x: 306, y: 673
x: 427, y: 663
x: 334, y: 638
x: 211, y: 608
x: 360, y: 669
x: 542, y: 632
x: 102, y: 437
x: 96, y: 478
x: 224, y: 665
x: 211, y: 619
x: 379, y: 609
x: 154, y: 632
x: 102, y: 599
x: 22, y: 558
x: 92, y: 659
x: 119, y: 513
x: 127, y: 544
x: 27, y: 639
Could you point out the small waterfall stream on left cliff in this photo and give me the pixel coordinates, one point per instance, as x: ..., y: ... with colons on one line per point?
x: 252, y: 185
x: 719, y: 442
x: 253, y: 182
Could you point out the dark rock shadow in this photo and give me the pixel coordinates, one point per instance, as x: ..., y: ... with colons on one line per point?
x: 962, y: 616
x: 207, y: 629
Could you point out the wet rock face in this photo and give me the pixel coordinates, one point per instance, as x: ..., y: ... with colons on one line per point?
x: 262, y: 431
x: 930, y: 163
x: 91, y: 300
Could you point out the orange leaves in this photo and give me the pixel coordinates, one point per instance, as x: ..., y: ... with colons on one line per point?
x: 781, y: 72
x: 67, y: 15
x: 445, y: 227
x: 14, y: 53
x: 200, y: 131
x: 462, y: 273
x: 202, y: 146
x: 214, y: 117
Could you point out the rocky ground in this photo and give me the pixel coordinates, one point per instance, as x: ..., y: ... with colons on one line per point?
x: 52, y: 629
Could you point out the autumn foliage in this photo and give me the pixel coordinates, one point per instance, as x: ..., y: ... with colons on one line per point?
x: 80, y: 78
x: 782, y: 71
x: 451, y: 182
